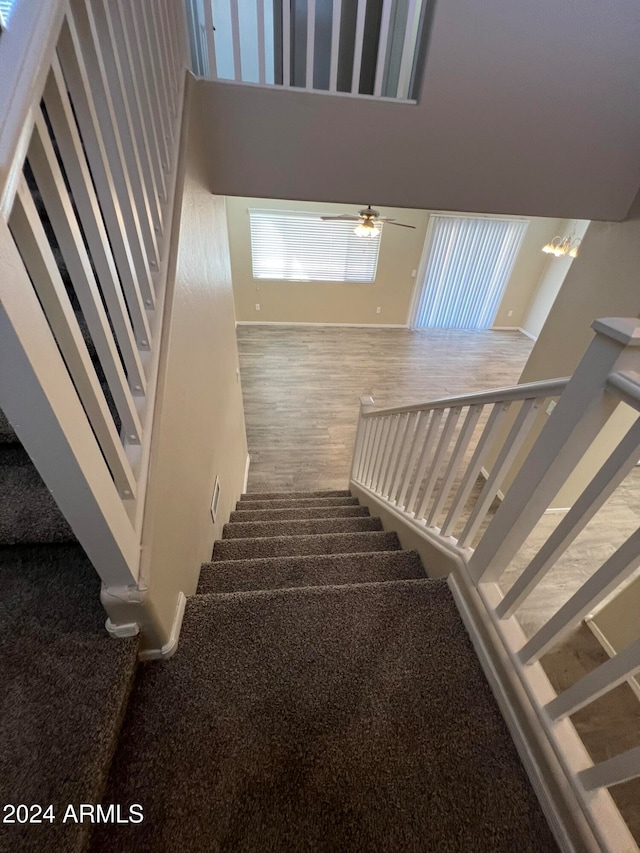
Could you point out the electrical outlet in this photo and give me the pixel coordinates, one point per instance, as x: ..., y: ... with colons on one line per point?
x: 510, y: 314
x: 414, y: 273
x: 257, y: 306
x: 378, y: 310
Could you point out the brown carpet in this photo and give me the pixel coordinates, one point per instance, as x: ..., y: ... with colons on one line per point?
x: 352, y: 718
x: 65, y: 684
x: 314, y: 570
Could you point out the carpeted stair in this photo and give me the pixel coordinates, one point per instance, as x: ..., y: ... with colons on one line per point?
x: 65, y: 682
x: 325, y: 696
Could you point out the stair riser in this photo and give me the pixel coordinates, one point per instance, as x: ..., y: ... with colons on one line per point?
x: 282, y: 503
x: 287, y: 546
x: 294, y: 514
x: 326, y: 493
x: 301, y: 527
x: 289, y: 572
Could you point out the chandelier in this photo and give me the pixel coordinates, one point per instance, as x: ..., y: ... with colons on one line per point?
x: 561, y: 246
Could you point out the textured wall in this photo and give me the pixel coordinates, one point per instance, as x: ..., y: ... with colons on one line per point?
x: 201, y: 430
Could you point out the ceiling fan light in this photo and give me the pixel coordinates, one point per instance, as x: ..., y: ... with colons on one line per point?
x: 366, y: 229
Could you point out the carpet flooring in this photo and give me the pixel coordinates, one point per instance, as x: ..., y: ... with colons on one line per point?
x: 65, y: 682
x: 348, y: 713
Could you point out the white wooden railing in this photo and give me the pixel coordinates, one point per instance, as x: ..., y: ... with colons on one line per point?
x: 321, y: 45
x: 90, y: 108
x: 438, y: 467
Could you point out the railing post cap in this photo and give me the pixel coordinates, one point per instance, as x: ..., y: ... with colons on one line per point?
x: 366, y: 402
x: 625, y: 330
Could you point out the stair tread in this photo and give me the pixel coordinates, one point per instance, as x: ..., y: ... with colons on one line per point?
x: 321, y: 493
x: 293, y: 513
x: 312, y: 570
x: 65, y: 684
x: 299, y: 527
x: 29, y: 511
x: 281, y: 503
x: 333, y: 718
x: 320, y: 543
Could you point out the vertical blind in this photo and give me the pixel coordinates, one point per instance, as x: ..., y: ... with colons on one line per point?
x: 301, y: 247
x: 469, y: 263
x: 5, y: 9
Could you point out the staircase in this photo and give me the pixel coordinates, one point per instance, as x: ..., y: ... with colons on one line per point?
x: 325, y: 696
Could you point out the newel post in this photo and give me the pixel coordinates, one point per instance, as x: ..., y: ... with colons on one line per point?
x: 366, y: 405
x: 580, y: 414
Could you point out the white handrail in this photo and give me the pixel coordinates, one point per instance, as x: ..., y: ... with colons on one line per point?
x: 533, y: 390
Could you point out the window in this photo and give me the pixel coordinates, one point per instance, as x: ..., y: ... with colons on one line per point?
x: 301, y: 247
x: 5, y: 9
x: 469, y: 263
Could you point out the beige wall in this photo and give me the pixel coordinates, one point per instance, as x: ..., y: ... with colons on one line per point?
x: 526, y: 272
x: 603, y: 281
x: 552, y: 277
x: 200, y: 432
x: 327, y: 302
x: 392, y: 291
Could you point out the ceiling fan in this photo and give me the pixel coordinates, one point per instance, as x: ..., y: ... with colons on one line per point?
x: 366, y: 221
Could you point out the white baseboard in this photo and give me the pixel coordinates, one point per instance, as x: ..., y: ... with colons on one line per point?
x: 172, y: 643
x: 513, y: 329
x: 246, y: 475
x: 528, y: 334
x: 343, y: 325
x: 633, y: 683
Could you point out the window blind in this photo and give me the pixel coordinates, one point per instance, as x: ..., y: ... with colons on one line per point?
x: 469, y: 264
x: 5, y: 9
x: 301, y: 247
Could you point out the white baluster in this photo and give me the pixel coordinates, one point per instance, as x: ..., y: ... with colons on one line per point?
x: 416, y: 445
x: 507, y: 456
x: 425, y: 457
x: 398, y: 444
x: 438, y: 458
x: 488, y: 435
x: 383, y: 45
x: 359, y: 41
x: 464, y: 439
x: 335, y: 45
x: 596, y: 683
x: 608, y: 577
x: 613, y: 771
x: 613, y: 472
x: 582, y: 410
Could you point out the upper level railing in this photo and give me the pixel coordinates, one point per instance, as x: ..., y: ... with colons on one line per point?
x: 358, y: 47
x: 90, y: 109
x: 442, y: 467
